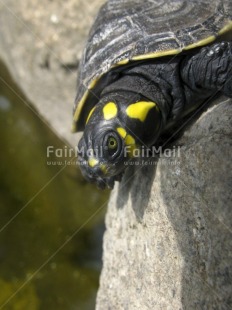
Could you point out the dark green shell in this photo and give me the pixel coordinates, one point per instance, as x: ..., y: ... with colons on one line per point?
x: 127, y: 30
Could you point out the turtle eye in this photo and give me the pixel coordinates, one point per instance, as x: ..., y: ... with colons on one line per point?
x: 112, y: 143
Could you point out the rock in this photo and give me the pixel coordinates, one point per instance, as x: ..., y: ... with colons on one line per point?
x: 41, y: 43
x: 168, y: 239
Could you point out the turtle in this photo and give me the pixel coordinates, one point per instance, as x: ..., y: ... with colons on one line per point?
x: 146, y: 65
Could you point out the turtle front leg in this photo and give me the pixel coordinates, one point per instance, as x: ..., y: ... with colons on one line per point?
x: 209, y: 70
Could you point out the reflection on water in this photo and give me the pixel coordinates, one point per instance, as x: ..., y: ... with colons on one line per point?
x: 41, y: 207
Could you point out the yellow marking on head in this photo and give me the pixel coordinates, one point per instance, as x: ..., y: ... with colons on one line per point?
x: 93, y: 162
x: 140, y: 109
x: 200, y: 43
x: 133, y: 150
x: 122, y: 132
x: 103, y: 168
x: 157, y: 54
x: 110, y: 110
x: 90, y: 113
x: 129, y: 140
x: 130, y: 143
x: 226, y: 28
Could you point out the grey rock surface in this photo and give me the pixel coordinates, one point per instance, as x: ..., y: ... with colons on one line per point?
x: 41, y: 42
x: 168, y: 240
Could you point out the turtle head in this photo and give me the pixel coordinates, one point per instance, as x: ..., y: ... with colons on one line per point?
x: 101, y: 157
x: 114, y: 133
x: 101, y: 151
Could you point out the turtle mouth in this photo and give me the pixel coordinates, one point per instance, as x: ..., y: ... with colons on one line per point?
x: 93, y: 176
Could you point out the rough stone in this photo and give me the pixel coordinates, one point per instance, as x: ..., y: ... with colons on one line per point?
x: 168, y: 240
x: 41, y: 42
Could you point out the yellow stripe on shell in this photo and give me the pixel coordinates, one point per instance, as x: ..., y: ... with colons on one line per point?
x: 74, y: 127
x: 139, y: 110
x: 157, y: 54
x: 93, y: 162
x: 226, y: 28
x: 78, y: 111
x: 110, y: 110
x: 122, y: 62
x: 90, y: 113
x: 93, y: 83
x: 200, y: 43
x: 80, y: 105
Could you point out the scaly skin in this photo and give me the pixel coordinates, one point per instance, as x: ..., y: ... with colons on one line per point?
x: 174, y: 84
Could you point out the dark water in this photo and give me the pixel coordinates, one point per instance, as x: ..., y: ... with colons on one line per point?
x: 50, y: 236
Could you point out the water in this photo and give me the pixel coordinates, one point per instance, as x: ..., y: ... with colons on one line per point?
x: 50, y: 236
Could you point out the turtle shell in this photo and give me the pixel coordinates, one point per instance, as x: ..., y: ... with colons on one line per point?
x: 126, y: 31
